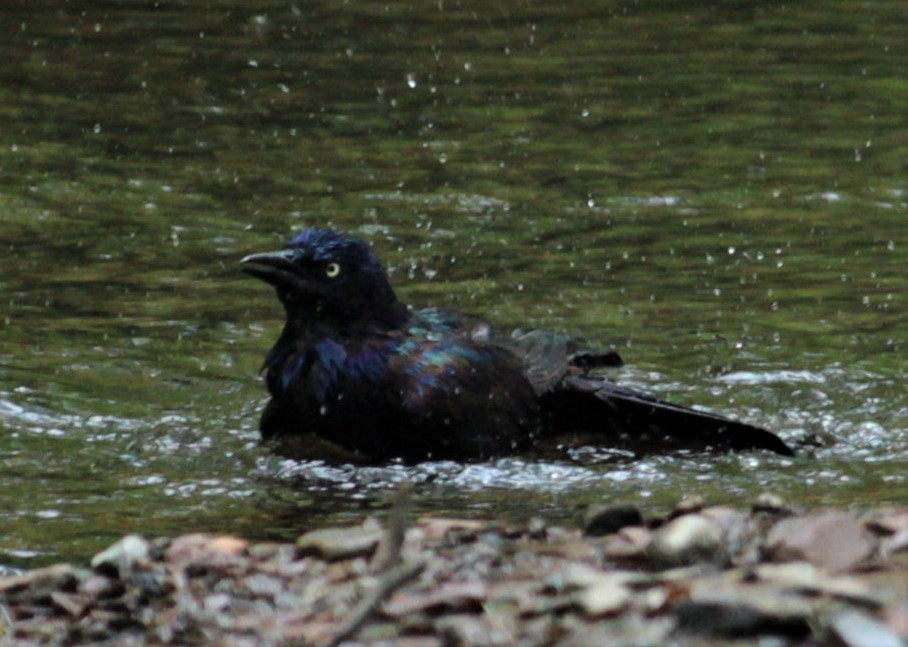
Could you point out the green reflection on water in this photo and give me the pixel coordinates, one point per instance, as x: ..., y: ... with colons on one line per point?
x: 717, y: 191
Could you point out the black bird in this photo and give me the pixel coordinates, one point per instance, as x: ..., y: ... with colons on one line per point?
x: 356, y: 367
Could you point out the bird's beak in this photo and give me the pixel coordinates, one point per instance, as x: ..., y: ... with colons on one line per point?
x: 271, y: 267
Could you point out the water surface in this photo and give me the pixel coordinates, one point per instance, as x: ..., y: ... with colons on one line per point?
x: 716, y: 191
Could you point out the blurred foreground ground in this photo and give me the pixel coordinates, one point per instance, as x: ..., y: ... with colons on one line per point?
x: 701, y: 575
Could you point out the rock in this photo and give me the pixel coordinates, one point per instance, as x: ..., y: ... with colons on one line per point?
x: 857, y: 629
x: 473, y: 584
x: 726, y: 518
x: 732, y: 618
x: 835, y: 541
x: 605, y: 597
x: 803, y: 577
x: 897, y: 543
x: 603, y: 520
x: 39, y: 584
x: 897, y: 614
x: 121, y: 558
x: 888, y: 522
x: 631, y: 630
x: 74, y: 604
x: 892, y: 526
x: 771, y: 504
x: 688, y: 539
x: 689, y: 504
x: 198, y: 552
x: 456, y: 596
x: 629, y: 544
x: 340, y: 543
x: 462, y: 629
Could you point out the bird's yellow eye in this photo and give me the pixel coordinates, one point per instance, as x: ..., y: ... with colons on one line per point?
x: 332, y: 270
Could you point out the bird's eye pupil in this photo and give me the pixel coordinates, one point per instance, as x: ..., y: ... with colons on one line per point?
x: 332, y: 270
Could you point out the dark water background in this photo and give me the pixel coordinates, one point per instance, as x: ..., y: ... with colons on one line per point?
x: 718, y: 190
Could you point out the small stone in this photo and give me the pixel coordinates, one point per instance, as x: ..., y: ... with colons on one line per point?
x: 98, y: 586
x: 688, y: 539
x: 608, y: 596
x: 896, y: 617
x: 736, y: 618
x: 772, y: 504
x: 885, y: 523
x: 836, y: 541
x: 199, y: 552
x: 228, y: 544
x: 688, y: 505
x: 74, y: 604
x: 120, y: 559
x: 629, y: 543
x: 40, y: 583
x: 897, y: 543
x: 800, y: 577
x: 601, y: 520
x: 340, y: 543
x: 857, y: 629
x: 463, y: 629
x: 536, y: 528
x: 449, y: 596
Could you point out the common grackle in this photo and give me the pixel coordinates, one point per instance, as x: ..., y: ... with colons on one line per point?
x: 356, y: 367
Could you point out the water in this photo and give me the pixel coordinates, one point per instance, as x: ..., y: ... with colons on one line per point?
x: 716, y: 191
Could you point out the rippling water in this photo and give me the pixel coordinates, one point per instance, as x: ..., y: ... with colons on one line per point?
x: 718, y: 192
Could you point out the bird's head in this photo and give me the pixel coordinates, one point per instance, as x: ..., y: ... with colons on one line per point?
x: 324, y: 277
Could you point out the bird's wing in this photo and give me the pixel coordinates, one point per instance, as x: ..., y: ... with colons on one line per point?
x: 597, y: 405
x: 472, y: 397
x: 549, y: 356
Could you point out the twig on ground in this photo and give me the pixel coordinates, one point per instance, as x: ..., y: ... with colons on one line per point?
x: 385, y: 585
x: 388, y: 553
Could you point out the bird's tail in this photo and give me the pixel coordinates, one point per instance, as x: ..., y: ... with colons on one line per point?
x: 642, y: 421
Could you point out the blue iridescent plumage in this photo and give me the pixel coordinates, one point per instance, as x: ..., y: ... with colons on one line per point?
x: 354, y: 366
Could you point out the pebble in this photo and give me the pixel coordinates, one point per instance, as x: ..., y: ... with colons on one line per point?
x: 340, y: 543
x: 771, y: 504
x: 531, y: 585
x: 601, y: 520
x: 687, y: 539
x: 836, y: 541
x: 689, y: 504
x: 120, y: 558
x: 857, y: 629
